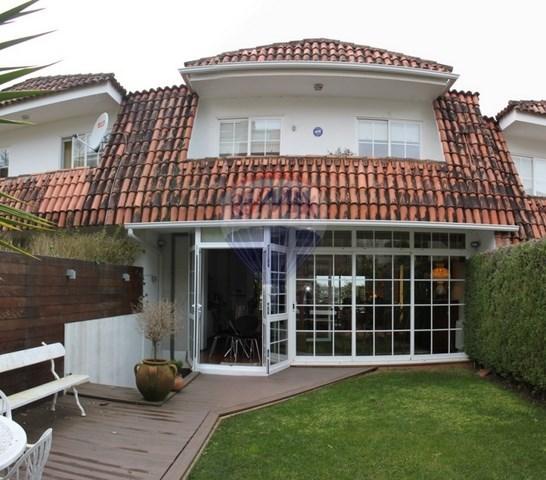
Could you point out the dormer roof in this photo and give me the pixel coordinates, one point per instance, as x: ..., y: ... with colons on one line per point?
x: 320, y: 50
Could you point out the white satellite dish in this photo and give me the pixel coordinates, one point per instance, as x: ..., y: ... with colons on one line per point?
x: 98, y: 132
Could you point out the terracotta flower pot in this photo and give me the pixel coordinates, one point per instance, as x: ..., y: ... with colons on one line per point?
x: 178, y: 383
x: 154, y: 379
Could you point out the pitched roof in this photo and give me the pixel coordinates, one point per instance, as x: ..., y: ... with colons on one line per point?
x: 61, y: 83
x: 536, y: 107
x: 145, y: 177
x: 320, y: 50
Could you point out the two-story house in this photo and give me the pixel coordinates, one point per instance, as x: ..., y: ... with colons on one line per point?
x: 304, y: 203
x: 69, y: 108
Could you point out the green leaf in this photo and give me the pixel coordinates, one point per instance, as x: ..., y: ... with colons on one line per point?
x: 17, y: 11
x: 21, y: 72
x: 14, y: 248
x: 6, y: 121
x: 6, y: 95
x: 15, y: 41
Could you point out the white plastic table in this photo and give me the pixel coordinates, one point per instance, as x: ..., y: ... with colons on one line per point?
x: 13, y: 440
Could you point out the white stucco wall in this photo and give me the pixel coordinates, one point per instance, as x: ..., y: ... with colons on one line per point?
x: 336, y: 115
x: 38, y: 148
x: 105, y: 349
x: 530, y: 147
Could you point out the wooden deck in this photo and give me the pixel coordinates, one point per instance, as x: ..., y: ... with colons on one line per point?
x: 122, y: 440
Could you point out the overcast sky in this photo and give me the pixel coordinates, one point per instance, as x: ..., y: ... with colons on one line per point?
x: 497, y: 47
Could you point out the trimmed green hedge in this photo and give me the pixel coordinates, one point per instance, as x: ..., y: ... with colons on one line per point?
x: 505, y: 319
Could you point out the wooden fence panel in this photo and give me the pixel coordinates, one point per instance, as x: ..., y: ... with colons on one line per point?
x: 37, y: 299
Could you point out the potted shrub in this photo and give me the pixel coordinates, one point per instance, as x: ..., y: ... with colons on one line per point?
x: 155, y: 377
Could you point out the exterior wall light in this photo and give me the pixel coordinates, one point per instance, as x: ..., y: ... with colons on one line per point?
x: 126, y: 277
x: 475, y: 244
x: 70, y: 274
x: 318, y: 87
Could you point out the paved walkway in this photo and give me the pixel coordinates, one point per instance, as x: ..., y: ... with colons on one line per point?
x: 119, y: 440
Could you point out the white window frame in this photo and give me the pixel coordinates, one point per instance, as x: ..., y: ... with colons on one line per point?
x: 84, y: 137
x: 249, y: 119
x: 533, y: 160
x: 6, y: 166
x: 389, y: 135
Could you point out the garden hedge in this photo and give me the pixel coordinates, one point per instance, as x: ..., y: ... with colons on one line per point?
x: 505, y: 314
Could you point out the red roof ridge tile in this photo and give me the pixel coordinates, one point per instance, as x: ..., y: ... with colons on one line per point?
x: 533, y: 107
x: 319, y: 49
x: 61, y: 83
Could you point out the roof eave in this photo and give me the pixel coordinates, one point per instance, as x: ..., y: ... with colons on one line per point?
x: 188, y: 72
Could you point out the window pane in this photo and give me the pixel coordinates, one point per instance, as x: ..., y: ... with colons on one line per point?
x: 343, y: 238
x: 380, y: 150
x: 364, y: 318
x: 397, y: 150
x: 67, y: 153
x: 540, y: 177
x: 364, y: 239
x: 364, y: 343
x: 323, y: 343
x: 524, y: 166
x: 342, y: 344
x: 364, y: 266
x: 413, y: 151
x: 304, y: 343
x: 422, y: 240
x: 383, y: 343
x: 402, y: 343
x: 397, y: 132
x: 380, y: 131
x: 233, y: 137
x: 457, y: 240
x: 383, y: 240
x: 365, y: 149
x: 412, y: 133
x: 365, y: 130
x: 400, y: 239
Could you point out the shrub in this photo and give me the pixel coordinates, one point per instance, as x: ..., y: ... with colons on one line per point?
x: 102, y: 246
x: 505, y: 320
x: 156, y: 321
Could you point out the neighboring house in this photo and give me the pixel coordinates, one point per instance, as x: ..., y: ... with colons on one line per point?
x: 317, y: 195
x: 70, y: 106
x: 524, y: 125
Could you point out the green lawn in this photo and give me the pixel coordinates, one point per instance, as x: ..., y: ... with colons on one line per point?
x: 439, y: 424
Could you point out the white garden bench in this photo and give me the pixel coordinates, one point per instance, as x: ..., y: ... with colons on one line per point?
x: 32, y: 356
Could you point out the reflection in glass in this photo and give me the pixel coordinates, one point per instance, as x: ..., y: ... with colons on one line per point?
x: 364, y: 343
x: 304, y: 343
x: 323, y: 343
x: 342, y: 343
x: 402, y: 343
x: 383, y: 343
x: 364, y: 318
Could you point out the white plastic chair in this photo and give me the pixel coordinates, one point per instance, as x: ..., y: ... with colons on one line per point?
x: 5, y: 408
x: 30, y: 465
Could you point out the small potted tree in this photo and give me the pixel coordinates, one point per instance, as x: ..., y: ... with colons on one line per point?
x: 155, y: 377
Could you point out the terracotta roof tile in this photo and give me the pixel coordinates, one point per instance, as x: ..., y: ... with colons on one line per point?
x: 144, y: 176
x: 61, y: 83
x: 536, y: 107
x: 320, y: 50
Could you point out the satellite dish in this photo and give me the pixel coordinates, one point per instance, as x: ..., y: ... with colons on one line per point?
x: 98, y: 132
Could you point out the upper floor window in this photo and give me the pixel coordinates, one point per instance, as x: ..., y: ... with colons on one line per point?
x: 257, y: 136
x: 77, y: 154
x: 4, y: 163
x: 532, y: 171
x: 389, y: 138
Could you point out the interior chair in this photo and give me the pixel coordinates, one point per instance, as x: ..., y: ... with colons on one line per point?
x: 30, y: 465
x: 247, y: 335
x: 5, y: 408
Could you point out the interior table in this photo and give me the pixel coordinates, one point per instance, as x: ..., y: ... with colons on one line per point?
x: 13, y: 440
